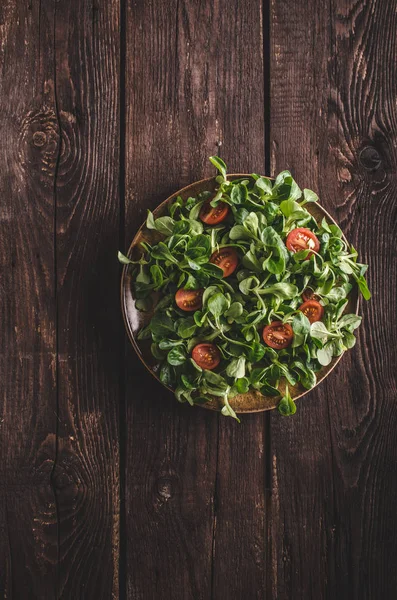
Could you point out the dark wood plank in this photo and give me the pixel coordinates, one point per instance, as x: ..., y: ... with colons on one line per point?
x: 28, y: 154
x: 240, y: 543
x: 303, y: 511
x: 171, y: 129
x: 181, y: 94
x: 363, y: 138
x: 333, y: 124
x: 87, y: 226
x: 303, y: 507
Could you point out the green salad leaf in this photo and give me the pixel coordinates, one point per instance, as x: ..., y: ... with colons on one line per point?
x: 254, y: 300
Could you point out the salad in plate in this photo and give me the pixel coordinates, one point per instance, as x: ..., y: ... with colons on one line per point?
x: 246, y: 289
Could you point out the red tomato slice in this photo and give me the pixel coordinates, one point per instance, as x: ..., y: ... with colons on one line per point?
x: 189, y: 300
x: 302, y: 239
x: 226, y: 259
x: 211, y: 215
x: 206, y: 355
x: 308, y: 294
x: 312, y: 310
x: 278, y: 335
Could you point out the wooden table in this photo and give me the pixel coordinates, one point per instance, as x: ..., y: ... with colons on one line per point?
x: 108, y: 487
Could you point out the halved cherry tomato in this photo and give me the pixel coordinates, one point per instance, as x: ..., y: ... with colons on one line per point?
x: 302, y: 239
x: 278, y: 335
x: 206, y: 355
x: 308, y: 294
x: 226, y: 259
x: 312, y: 310
x: 213, y: 215
x: 189, y: 300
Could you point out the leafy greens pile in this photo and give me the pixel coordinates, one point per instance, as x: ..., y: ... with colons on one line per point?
x: 266, y: 286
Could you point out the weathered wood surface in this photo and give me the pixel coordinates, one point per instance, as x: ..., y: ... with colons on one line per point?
x: 108, y: 487
x: 61, y: 326
x: 171, y: 452
x: 28, y: 413
x: 333, y: 123
x: 240, y: 542
x: 86, y: 475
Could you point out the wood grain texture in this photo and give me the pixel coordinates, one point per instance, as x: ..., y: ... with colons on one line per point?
x: 30, y: 143
x: 171, y: 455
x: 363, y: 140
x: 302, y: 505
x: 190, y: 98
x: 101, y: 99
x: 86, y: 474
x: 338, y: 456
x: 240, y: 542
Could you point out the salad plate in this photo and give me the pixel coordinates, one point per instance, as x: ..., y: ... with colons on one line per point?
x: 246, y: 395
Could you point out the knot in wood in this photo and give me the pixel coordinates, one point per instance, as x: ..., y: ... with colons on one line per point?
x: 62, y: 479
x: 39, y: 143
x: 39, y: 138
x: 68, y: 474
x: 370, y: 158
x: 165, y: 488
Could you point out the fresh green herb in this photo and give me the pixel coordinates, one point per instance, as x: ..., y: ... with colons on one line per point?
x: 267, y: 288
x: 287, y: 406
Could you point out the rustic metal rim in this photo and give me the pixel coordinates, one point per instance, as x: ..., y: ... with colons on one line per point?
x: 131, y: 336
